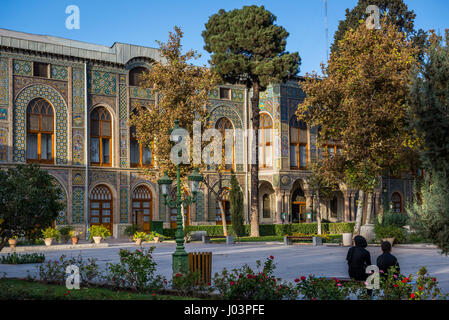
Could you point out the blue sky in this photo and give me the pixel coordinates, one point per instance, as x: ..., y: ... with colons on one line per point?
x: 142, y: 22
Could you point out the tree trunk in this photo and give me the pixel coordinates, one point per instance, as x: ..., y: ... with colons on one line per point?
x: 223, y: 217
x: 255, y: 163
x: 360, y: 206
x: 318, y: 213
x: 369, y: 208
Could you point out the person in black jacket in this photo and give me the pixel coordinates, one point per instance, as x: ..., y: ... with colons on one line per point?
x: 387, y: 260
x: 358, y: 259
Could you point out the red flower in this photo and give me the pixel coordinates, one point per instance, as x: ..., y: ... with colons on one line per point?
x: 404, y: 280
x: 208, y: 283
x: 232, y: 283
x: 153, y: 294
x: 313, y: 298
x: 296, y: 280
x: 303, y: 278
x: 271, y: 257
x: 412, y: 296
x: 420, y: 288
x: 396, y: 285
x: 434, y: 279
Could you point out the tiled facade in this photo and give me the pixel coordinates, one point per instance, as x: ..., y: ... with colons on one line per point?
x: 79, y: 69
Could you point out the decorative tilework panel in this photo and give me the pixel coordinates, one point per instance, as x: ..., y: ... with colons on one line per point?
x: 237, y: 95
x: 3, y: 145
x: 4, y: 82
x: 77, y: 120
x: 3, y: 114
x: 134, y: 103
x: 107, y: 176
x: 58, y: 72
x: 123, y: 178
x: 63, y: 175
x: 21, y: 103
x: 78, y: 178
x: 78, y: 90
x: 62, y: 215
x: 284, y: 145
x: 123, y: 205
x: 140, y: 93
x: 78, y: 147
x: 78, y: 205
x: 22, y: 68
x: 123, y: 107
x: 101, y: 82
x: 123, y: 138
x: 22, y: 82
x: 214, y: 94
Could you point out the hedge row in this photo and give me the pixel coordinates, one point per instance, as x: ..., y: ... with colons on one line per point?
x: 273, y: 229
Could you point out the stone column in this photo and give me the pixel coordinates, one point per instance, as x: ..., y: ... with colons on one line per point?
x: 278, y: 219
x: 288, y: 206
x: 348, y: 197
x: 308, y: 195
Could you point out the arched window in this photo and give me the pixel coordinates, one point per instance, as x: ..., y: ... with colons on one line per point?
x: 136, y: 76
x: 222, y: 125
x: 266, y: 206
x: 265, y: 141
x: 396, y: 202
x: 101, y: 207
x: 40, y: 131
x: 142, y: 208
x: 226, y: 206
x: 100, y: 137
x: 141, y: 156
x: 298, y: 144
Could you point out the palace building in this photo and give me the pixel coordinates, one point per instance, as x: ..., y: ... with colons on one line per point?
x: 65, y: 105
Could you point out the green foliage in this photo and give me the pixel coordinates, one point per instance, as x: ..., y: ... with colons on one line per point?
x: 136, y: 271
x: 390, y: 218
x: 31, y: 201
x: 65, y: 232
x: 154, y: 234
x: 131, y: 230
x: 246, y: 284
x: 157, y: 226
x: 140, y: 235
x: 54, y: 271
x: 51, y: 233
x: 99, y: 231
x: 390, y: 231
x: 14, y: 258
x: 236, y: 202
x: 429, y: 217
x: 190, y: 283
x: 247, y: 47
x: 313, y: 288
x: 396, y: 11
x: 171, y: 233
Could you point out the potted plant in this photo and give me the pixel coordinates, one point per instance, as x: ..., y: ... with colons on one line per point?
x: 156, y: 237
x: 131, y: 230
x: 75, y: 235
x: 13, y: 242
x: 65, y: 233
x: 347, y: 234
x: 98, y: 232
x: 139, y: 236
x: 49, y: 235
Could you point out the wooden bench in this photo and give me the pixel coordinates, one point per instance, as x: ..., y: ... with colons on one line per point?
x: 229, y: 239
x: 317, y: 241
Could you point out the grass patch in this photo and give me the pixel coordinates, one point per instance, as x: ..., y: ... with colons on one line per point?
x: 14, y: 258
x: 30, y: 290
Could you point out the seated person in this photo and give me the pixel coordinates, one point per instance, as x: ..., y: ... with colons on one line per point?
x: 387, y: 260
x: 358, y: 259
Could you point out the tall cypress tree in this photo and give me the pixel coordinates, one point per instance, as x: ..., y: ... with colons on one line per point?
x: 236, y: 202
x: 248, y: 48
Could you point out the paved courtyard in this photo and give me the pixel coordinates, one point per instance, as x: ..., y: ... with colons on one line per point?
x: 292, y: 261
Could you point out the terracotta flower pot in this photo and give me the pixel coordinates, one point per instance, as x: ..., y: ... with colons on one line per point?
x: 138, y: 242
x: 97, y: 240
x: 156, y: 239
x: 12, y: 243
x: 48, y: 241
x: 75, y: 240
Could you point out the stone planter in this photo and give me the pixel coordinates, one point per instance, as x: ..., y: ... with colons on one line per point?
x: 48, y: 241
x: 97, y: 240
x: 347, y: 239
x: 390, y: 240
x: 75, y: 240
x: 12, y: 243
x: 138, y: 242
x: 157, y: 239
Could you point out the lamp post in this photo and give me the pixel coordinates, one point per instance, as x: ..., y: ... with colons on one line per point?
x: 180, y: 257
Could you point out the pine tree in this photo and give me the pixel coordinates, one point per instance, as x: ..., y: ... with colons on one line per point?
x: 248, y: 48
x: 236, y: 201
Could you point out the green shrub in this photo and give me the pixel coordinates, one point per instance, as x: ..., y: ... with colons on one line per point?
x: 389, y: 231
x: 65, y: 232
x: 99, y: 231
x: 51, y: 233
x: 394, y: 219
x: 15, y: 258
x: 131, y: 230
x: 170, y: 233
x: 190, y: 283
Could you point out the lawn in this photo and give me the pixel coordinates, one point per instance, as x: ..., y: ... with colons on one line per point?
x: 18, y: 289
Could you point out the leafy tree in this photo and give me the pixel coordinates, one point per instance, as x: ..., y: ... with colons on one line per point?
x: 30, y: 201
x: 429, y: 114
x: 361, y: 102
x: 395, y: 11
x: 236, y: 201
x: 248, y: 48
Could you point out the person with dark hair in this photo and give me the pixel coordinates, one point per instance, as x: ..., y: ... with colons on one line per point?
x: 387, y: 260
x: 358, y: 259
